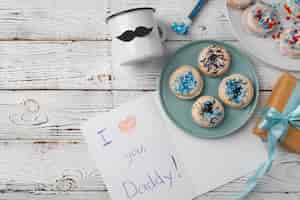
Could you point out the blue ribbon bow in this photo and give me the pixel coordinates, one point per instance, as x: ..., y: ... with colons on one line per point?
x: 276, y: 123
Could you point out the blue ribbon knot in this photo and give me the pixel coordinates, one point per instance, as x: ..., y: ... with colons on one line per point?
x: 276, y: 123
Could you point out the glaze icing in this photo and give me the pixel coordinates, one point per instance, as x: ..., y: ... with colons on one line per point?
x: 266, y: 18
x: 215, y: 59
x: 292, y: 39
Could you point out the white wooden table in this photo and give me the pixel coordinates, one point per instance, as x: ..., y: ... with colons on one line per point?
x: 56, y: 72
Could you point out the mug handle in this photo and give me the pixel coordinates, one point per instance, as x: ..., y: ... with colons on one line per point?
x: 162, y: 31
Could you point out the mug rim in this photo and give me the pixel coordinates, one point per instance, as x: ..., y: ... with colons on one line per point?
x: 127, y: 11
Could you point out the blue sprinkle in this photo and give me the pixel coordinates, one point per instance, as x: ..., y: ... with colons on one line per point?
x: 235, y: 90
x: 180, y: 28
x: 186, y: 83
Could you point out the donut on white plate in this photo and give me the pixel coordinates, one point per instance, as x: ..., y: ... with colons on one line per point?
x: 261, y: 19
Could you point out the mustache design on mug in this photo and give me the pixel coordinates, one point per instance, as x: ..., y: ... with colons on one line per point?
x: 129, y: 35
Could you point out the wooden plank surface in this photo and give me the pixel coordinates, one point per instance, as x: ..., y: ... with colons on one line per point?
x: 56, y: 115
x: 87, y: 65
x: 53, y: 20
x: 55, y: 65
x: 84, y: 20
x: 48, y: 115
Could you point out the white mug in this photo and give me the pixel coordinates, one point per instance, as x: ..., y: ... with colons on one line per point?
x: 136, y: 36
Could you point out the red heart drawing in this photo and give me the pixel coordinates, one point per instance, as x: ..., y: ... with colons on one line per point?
x: 128, y: 124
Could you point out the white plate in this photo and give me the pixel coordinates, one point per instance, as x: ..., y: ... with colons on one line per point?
x: 265, y: 49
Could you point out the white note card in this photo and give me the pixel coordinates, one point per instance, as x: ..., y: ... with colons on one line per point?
x: 143, y: 156
x: 135, y: 155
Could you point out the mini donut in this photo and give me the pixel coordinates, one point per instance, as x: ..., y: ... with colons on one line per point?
x: 261, y: 19
x: 214, y: 60
x: 236, y: 91
x: 239, y: 4
x: 290, y: 42
x: 186, y: 82
x: 207, y: 112
x: 292, y: 9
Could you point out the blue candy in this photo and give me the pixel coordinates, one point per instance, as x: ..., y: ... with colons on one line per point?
x: 180, y: 28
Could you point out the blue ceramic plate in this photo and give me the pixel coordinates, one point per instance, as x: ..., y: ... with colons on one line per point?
x: 179, y: 111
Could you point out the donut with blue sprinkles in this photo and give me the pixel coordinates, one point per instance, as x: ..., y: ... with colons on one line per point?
x: 186, y: 82
x: 208, y: 112
x: 236, y: 91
